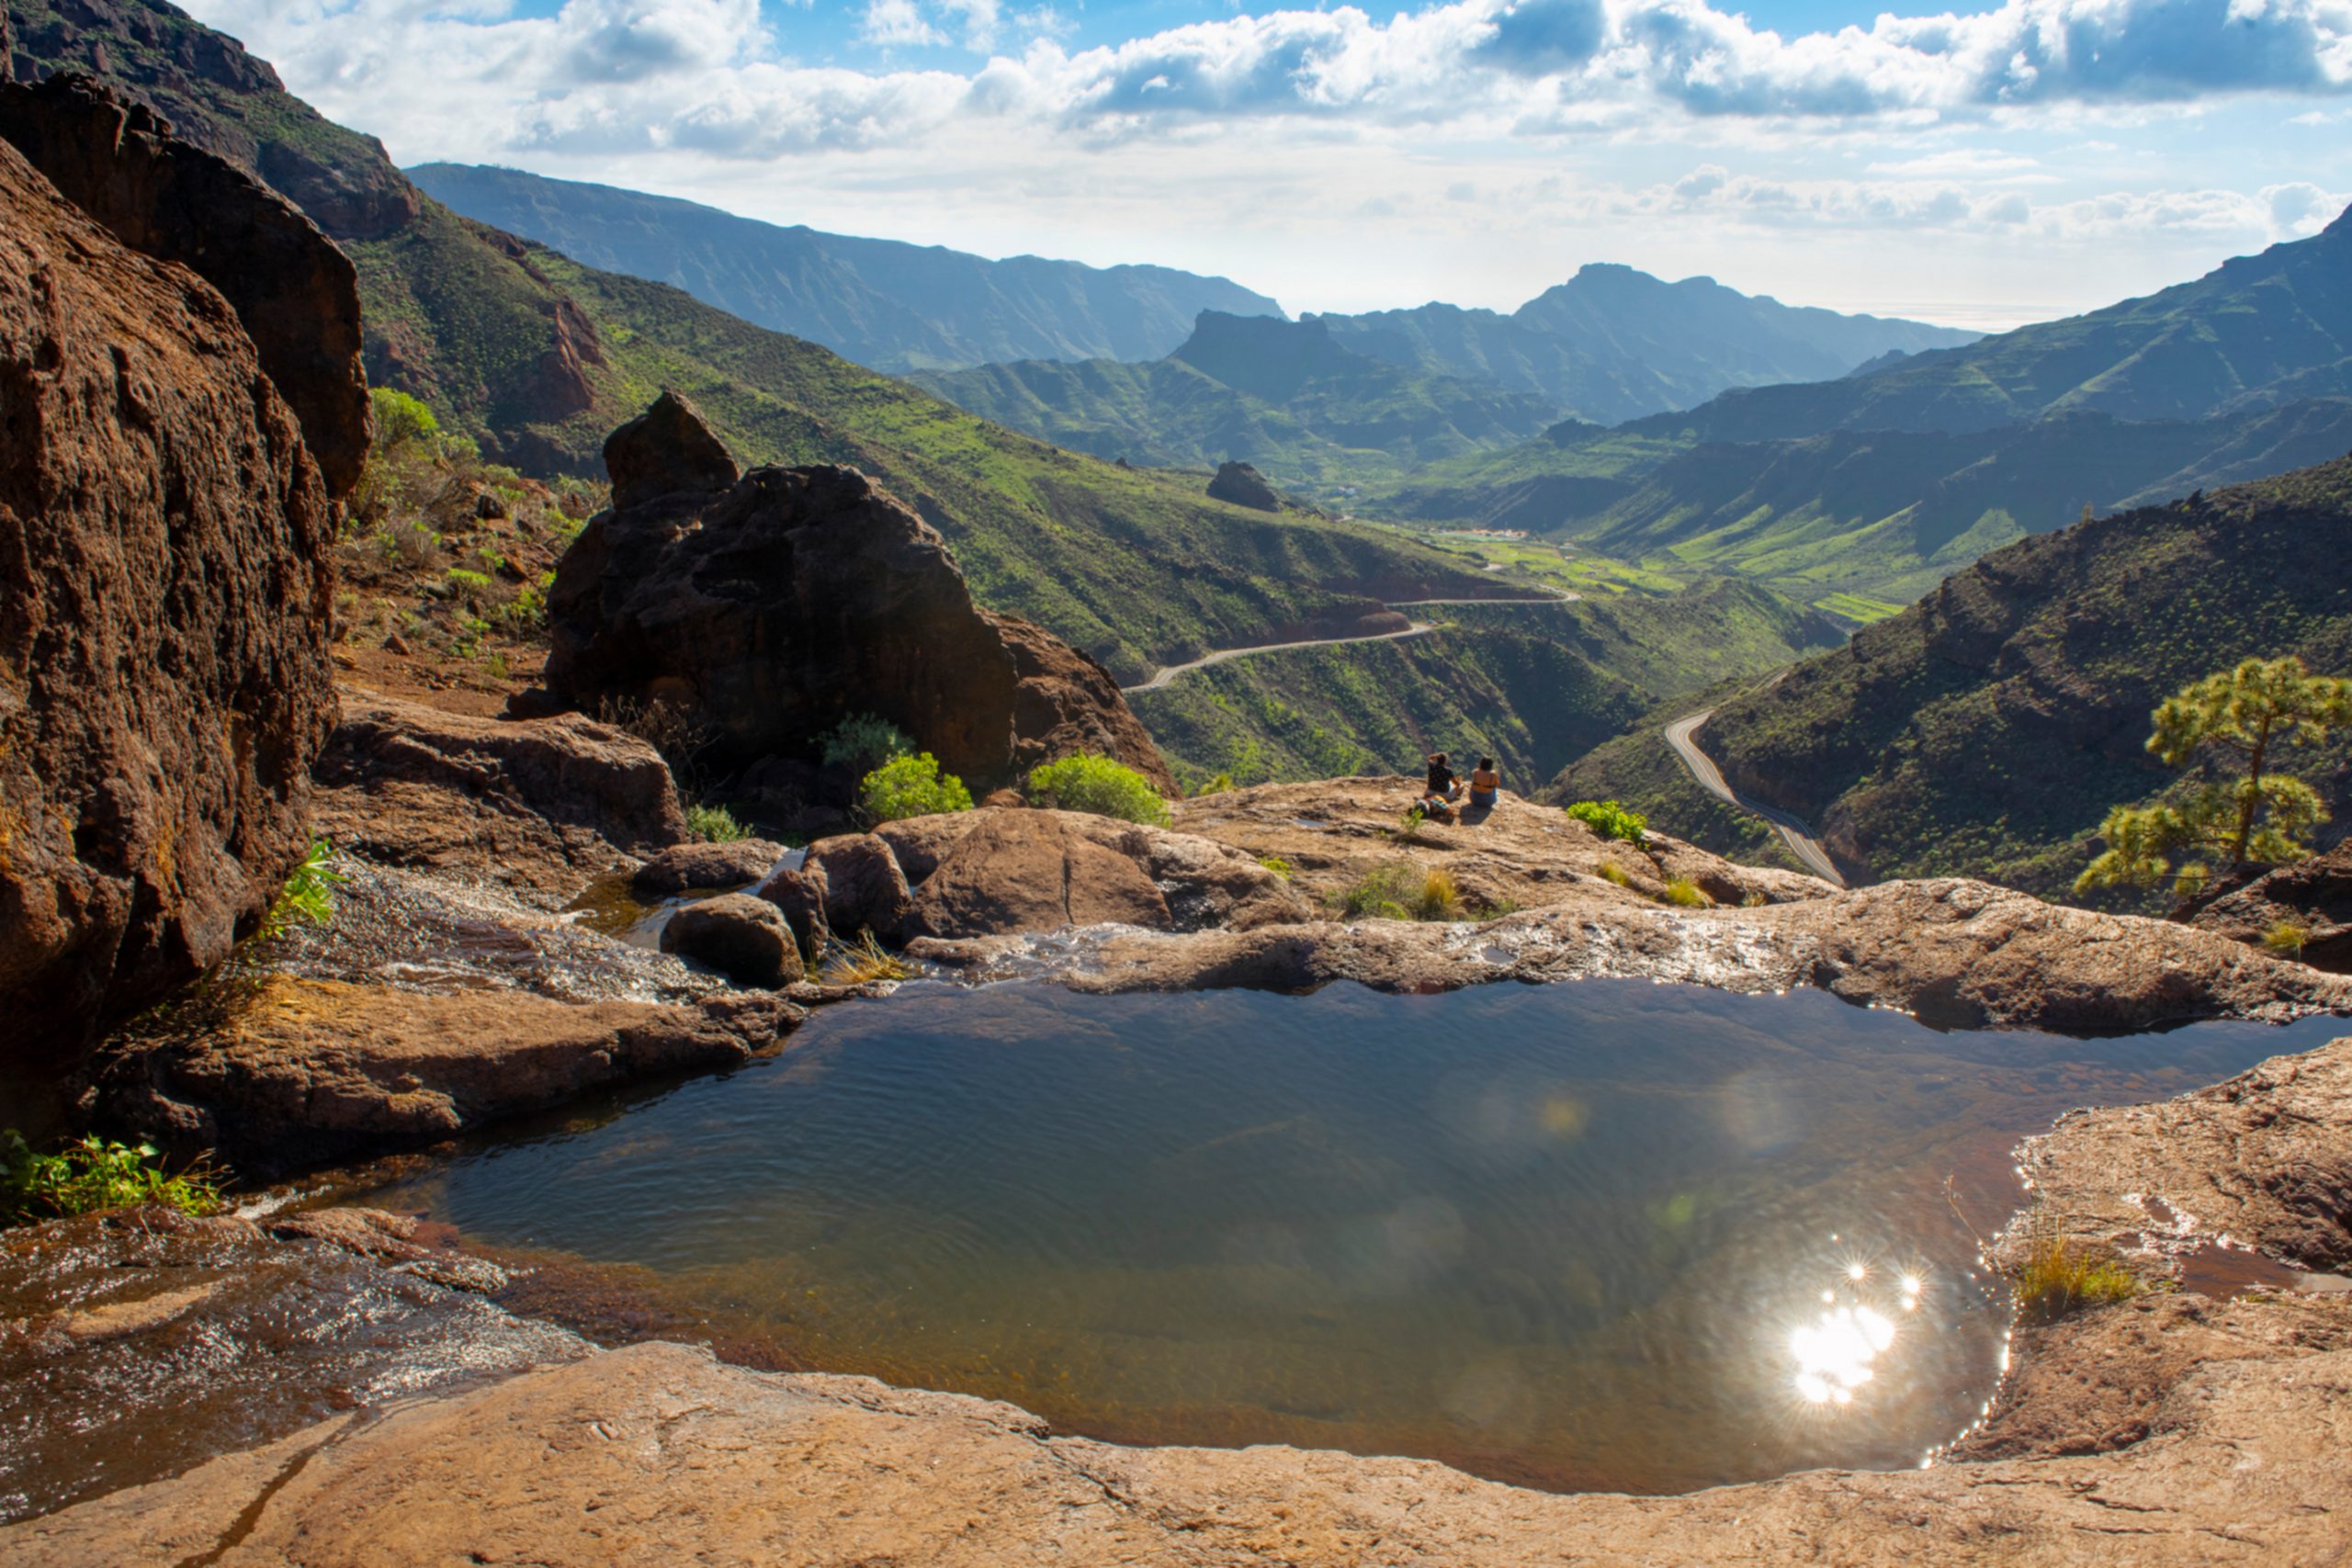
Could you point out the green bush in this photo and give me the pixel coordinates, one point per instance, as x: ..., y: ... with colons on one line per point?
x: 308, y: 896
x: 95, y: 1174
x: 714, y: 824
x: 911, y: 786
x: 1097, y: 785
x: 1276, y: 865
x: 1610, y: 820
x: 865, y: 743
x: 400, y: 419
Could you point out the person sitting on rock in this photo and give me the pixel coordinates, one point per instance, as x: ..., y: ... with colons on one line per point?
x: 1443, y: 789
x: 1484, y: 783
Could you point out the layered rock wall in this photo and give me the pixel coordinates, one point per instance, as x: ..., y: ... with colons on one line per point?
x: 164, y: 589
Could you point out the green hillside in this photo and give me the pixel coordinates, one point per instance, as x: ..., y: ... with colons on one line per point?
x: 1533, y: 685
x: 1280, y: 395
x: 1985, y: 731
x: 887, y: 304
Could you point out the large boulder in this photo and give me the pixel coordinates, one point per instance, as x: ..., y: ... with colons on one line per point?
x: 295, y: 293
x: 538, y: 805
x: 164, y: 588
x: 860, y: 883
x: 738, y: 862
x: 2314, y: 896
x: 1244, y: 486
x: 771, y: 607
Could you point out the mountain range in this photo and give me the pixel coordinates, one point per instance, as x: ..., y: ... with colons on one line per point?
x: 882, y: 303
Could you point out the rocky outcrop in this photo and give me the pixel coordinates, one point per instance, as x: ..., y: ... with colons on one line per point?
x: 1244, y: 486
x: 307, y: 1071
x: 1034, y: 871
x: 737, y: 863
x: 858, y: 886
x: 745, y: 939
x: 295, y: 293
x: 771, y: 607
x: 2313, y: 898
x: 165, y: 589
x: 537, y: 805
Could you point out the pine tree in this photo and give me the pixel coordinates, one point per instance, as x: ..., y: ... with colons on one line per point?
x: 2246, y: 713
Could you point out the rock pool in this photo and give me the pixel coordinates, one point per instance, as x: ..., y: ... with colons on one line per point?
x: 1602, y: 1235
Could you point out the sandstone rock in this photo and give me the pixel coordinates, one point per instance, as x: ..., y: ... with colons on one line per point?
x: 1029, y: 871
x: 2315, y: 894
x: 863, y: 888
x: 744, y: 938
x: 538, y: 805
x: 1244, y: 486
x: 294, y: 292
x: 684, y: 867
x: 800, y: 895
x: 772, y: 609
x: 309, y: 1072
x: 991, y: 873
x: 918, y: 844
x: 666, y: 451
x: 164, y: 585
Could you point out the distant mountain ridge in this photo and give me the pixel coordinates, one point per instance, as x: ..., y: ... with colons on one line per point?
x: 883, y: 303
x: 1286, y: 396
x: 1613, y: 343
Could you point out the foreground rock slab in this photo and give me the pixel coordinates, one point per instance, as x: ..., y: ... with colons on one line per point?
x: 658, y: 1453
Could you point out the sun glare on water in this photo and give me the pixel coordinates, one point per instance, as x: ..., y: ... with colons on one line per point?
x: 1836, y: 1353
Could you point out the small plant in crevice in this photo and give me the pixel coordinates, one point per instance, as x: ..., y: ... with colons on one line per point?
x: 673, y: 731
x: 308, y: 897
x: 715, y: 825
x: 2058, y: 1275
x: 911, y: 786
x: 96, y: 1173
x: 1276, y: 865
x: 865, y: 741
x: 1685, y: 894
x: 1402, y: 891
x: 1408, y: 827
x: 1609, y: 871
x: 1610, y: 820
x: 2287, y: 939
x: 862, y: 963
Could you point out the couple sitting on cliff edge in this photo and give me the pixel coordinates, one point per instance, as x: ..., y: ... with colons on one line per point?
x: 1438, y: 800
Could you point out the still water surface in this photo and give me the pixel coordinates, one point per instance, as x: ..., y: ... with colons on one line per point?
x: 1607, y: 1234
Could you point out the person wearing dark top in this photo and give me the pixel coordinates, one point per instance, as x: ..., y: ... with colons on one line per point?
x: 1443, y: 790
x: 1484, y: 783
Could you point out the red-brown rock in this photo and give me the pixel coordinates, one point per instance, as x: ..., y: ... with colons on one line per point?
x: 745, y: 939
x: 163, y: 595
x: 294, y: 291
x: 2313, y: 896
x: 1034, y: 871
x: 863, y: 888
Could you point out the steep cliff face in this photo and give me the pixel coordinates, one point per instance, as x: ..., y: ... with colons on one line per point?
x: 294, y: 292
x: 772, y: 606
x: 164, y: 600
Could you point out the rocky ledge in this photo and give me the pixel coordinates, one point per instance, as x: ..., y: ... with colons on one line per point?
x: 2178, y: 1428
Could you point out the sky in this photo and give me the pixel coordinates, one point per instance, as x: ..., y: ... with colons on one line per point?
x: 1980, y: 168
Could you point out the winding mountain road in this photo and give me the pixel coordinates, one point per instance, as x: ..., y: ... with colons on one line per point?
x: 1795, y: 832
x: 1418, y: 628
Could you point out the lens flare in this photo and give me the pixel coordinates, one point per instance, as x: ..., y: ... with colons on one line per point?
x: 1833, y: 1354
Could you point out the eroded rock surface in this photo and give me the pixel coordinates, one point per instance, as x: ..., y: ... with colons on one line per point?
x: 744, y: 938
x: 772, y: 607
x: 538, y: 805
x: 737, y: 863
x: 2311, y: 897
x: 164, y: 585
x: 295, y: 294
x: 307, y: 1071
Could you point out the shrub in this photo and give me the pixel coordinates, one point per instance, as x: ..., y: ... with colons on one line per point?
x: 714, y: 824
x: 2287, y: 939
x: 1610, y: 871
x: 1217, y: 784
x: 1097, y: 785
x: 1408, y: 827
x: 1685, y: 894
x: 308, y: 896
x: 864, y: 961
x: 1610, y: 820
x: 400, y: 419
x: 911, y: 786
x: 1403, y: 891
x: 96, y: 1174
x: 865, y: 743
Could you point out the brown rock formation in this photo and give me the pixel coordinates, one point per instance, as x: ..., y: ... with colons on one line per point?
x: 313, y: 1071
x: 744, y: 938
x: 1244, y: 486
x: 538, y: 806
x: 164, y: 596
x: 737, y: 863
x: 1034, y: 871
x: 294, y: 291
x: 859, y: 884
x: 773, y: 606
x: 2313, y: 895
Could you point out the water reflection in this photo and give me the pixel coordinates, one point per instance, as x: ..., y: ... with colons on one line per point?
x: 1571, y: 1236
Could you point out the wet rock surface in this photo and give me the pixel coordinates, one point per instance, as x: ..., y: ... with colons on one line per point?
x: 303, y: 1072
x: 165, y: 586
x: 537, y: 805
x: 295, y: 294
x: 772, y: 607
x: 689, y: 866
x: 746, y: 939
x: 139, y: 1344
x: 2311, y: 899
